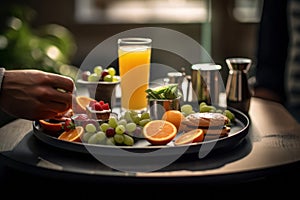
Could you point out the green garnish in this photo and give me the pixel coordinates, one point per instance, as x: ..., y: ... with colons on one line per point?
x: 169, y: 91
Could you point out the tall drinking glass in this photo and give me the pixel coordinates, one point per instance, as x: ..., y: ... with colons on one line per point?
x: 134, y: 67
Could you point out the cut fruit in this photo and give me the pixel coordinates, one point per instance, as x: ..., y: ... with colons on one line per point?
x: 193, y: 136
x: 73, y: 135
x: 159, y: 132
x: 51, y: 126
x: 173, y: 116
x: 80, y: 104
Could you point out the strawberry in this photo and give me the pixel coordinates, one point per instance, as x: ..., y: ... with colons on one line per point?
x: 98, y: 106
x: 105, y: 106
x: 68, y: 125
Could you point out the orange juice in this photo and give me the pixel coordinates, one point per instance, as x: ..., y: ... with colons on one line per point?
x: 134, y: 67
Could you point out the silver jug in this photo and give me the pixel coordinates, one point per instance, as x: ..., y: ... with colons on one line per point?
x: 237, y: 87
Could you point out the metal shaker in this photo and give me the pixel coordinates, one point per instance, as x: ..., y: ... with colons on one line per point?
x: 237, y: 87
x: 207, y: 83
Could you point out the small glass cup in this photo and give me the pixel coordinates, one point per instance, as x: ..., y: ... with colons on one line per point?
x: 157, y: 107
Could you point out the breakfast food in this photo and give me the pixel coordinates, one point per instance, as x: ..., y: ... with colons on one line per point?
x: 192, y: 136
x: 173, y: 116
x: 72, y: 135
x: 214, y: 125
x: 159, y: 132
x: 80, y: 103
x: 98, y: 110
x: 205, y: 119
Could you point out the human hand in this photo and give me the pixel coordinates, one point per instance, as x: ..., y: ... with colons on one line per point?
x: 34, y: 94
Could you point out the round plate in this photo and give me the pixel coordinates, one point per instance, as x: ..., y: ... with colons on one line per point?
x: 237, y: 133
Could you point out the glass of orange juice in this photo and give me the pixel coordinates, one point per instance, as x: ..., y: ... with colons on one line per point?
x: 134, y: 67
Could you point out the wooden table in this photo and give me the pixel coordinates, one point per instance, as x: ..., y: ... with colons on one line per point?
x: 272, y: 145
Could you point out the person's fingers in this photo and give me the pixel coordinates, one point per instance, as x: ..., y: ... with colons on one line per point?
x: 58, y: 107
x: 62, y: 83
x: 62, y: 98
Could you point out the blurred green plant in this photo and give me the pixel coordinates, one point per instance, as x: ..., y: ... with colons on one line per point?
x: 49, y: 47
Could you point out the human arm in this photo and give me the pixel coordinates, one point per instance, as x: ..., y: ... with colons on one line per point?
x: 35, y: 94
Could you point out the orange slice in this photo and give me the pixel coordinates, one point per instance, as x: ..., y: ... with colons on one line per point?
x: 193, y: 136
x: 159, y: 132
x: 73, y: 135
x: 51, y: 127
x: 80, y: 103
x: 173, y: 116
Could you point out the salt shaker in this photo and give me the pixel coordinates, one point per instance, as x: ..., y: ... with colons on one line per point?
x: 237, y: 88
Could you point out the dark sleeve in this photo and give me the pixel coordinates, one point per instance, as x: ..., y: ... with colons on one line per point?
x: 272, y: 46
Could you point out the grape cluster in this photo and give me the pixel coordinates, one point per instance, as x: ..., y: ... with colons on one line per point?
x: 123, y: 131
x: 100, y: 74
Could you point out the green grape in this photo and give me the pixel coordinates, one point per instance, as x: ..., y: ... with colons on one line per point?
x: 111, y: 71
x: 207, y: 108
x: 113, y: 122
x: 98, y: 70
x: 122, y: 122
x: 128, y: 140
x: 145, y: 115
x: 202, y: 104
x: 115, y: 79
x: 187, y: 109
x: 86, y: 136
x: 110, y: 141
x: 108, y: 78
x: 130, y: 127
x: 229, y: 114
x: 91, y: 128
x: 120, y: 129
x: 119, y: 138
x: 104, y: 126
x: 93, y: 77
x: 133, y: 113
x: 136, y: 119
x: 143, y: 122
x: 97, y: 138
x: 127, y: 116
x: 219, y: 111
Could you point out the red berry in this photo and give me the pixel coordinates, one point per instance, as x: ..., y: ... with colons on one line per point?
x: 105, y: 106
x: 68, y: 125
x: 98, y: 107
x: 101, y: 102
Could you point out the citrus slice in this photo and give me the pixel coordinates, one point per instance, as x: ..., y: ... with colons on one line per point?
x: 173, y: 116
x: 193, y: 136
x: 51, y: 127
x: 81, y: 102
x: 159, y: 132
x: 73, y: 135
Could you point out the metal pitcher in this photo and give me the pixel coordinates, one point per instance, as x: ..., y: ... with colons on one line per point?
x: 237, y: 87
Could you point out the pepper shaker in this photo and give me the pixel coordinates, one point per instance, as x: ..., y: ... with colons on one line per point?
x: 237, y: 87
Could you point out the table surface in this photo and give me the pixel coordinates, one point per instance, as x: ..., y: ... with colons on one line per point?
x: 272, y: 143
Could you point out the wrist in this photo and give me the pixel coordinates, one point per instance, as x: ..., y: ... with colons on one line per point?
x: 2, y: 71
